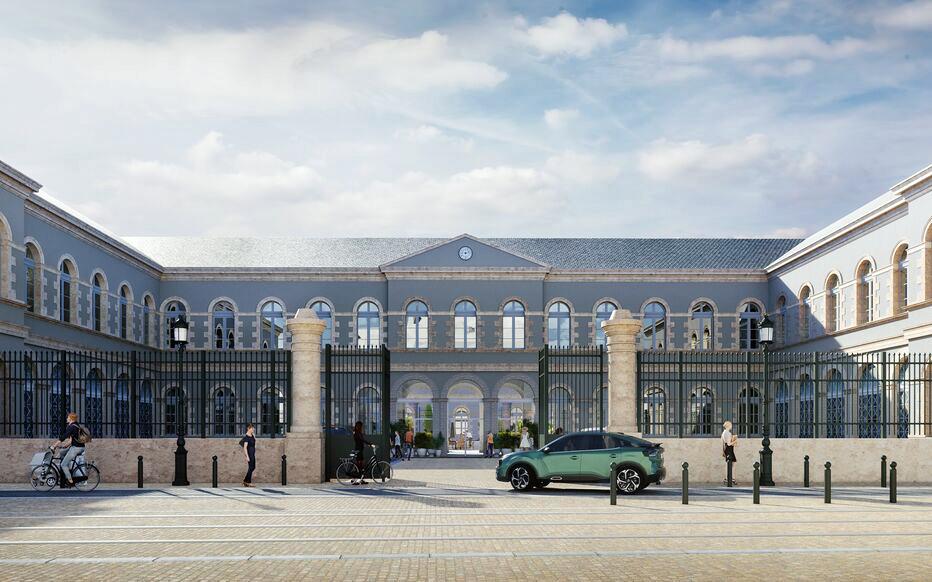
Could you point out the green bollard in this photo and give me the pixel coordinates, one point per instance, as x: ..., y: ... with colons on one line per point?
x: 883, y: 470
x: 613, y: 487
x: 828, y: 482
x: 806, y: 471
x: 685, y: 483
x: 893, y: 482
x: 756, y: 483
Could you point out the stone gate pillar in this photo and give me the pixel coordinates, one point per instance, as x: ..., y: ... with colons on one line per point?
x: 620, y: 338
x: 304, y: 443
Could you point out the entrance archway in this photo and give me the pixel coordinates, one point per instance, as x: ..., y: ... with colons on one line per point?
x: 465, y: 410
x: 515, y: 405
x: 415, y: 406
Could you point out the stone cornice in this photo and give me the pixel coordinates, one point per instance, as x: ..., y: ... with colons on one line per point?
x: 659, y: 275
x: 271, y: 273
x: 19, y: 182
x: 915, y: 182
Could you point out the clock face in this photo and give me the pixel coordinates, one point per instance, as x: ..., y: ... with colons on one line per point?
x: 465, y: 253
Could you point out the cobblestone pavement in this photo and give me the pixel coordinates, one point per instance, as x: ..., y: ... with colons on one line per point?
x: 450, y: 520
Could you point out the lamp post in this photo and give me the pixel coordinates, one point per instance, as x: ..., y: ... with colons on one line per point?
x: 179, y: 339
x: 766, y: 454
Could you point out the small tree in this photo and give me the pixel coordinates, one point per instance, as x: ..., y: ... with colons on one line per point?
x: 429, y: 419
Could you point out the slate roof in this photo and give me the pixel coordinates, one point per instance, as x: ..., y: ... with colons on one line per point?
x: 582, y: 254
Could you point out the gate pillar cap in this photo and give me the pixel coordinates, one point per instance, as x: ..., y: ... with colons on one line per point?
x: 306, y: 320
x: 620, y: 319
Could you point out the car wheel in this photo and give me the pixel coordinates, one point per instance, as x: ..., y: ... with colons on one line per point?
x: 630, y: 480
x: 541, y: 483
x: 521, y: 478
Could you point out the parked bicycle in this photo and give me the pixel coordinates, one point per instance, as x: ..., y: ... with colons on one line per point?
x: 349, y: 472
x: 47, y: 473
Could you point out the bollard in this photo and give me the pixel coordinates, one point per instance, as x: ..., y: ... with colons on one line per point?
x: 893, y: 482
x: 828, y: 482
x: 613, y: 487
x: 883, y: 470
x: 214, y: 472
x: 284, y: 470
x: 139, y: 471
x: 685, y: 483
x: 806, y: 471
x: 730, y: 479
x: 756, y: 483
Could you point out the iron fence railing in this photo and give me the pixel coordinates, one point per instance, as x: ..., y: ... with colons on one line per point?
x: 145, y: 394
x: 573, y: 393
x: 793, y: 394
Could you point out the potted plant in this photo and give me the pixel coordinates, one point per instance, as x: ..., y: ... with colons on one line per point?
x: 438, y: 444
x: 503, y: 442
x: 421, y: 442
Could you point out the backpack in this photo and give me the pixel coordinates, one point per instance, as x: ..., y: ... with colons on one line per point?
x: 84, y: 435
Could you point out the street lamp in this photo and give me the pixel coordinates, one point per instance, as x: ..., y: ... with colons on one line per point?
x: 179, y: 339
x: 766, y: 454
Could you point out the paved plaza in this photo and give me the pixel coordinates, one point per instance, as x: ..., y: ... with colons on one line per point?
x: 449, y: 520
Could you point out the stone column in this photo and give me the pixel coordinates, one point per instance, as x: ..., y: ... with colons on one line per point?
x: 441, y: 423
x: 304, y: 443
x: 620, y: 338
x: 489, y: 419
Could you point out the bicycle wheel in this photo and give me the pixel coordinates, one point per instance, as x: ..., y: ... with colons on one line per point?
x: 92, y: 481
x: 43, y: 478
x: 347, y: 473
x: 382, y: 473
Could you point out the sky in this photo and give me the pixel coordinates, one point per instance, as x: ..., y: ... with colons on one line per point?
x: 435, y: 118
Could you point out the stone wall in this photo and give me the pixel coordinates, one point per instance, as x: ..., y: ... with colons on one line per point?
x: 116, y: 459
x: 854, y: 461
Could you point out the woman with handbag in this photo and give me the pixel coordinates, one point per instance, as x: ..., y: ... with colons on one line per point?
x: 729, y: 441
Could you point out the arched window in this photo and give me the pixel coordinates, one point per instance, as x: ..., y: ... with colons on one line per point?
x: 124, y: 311
x: 835, y: 406
x: 324, y: 313
x: 148, y: 308
x: 121, y: 410
x: 59, y: 399
x: 701, y: 326
x: 865, y: 293
x: 749, y: 324
x: 98, y: 303
x: 175, y: 405
x: 368, y: 326
x: 224, y: 326
x: 654, y: 327
x: 272, y: 326
x: 782, y: 411
x: 93, y: 402
x: 701, y: 402
x: 460, y: 421
x: 870, y: 394
x: 806, y: 407
x: 900, y: 280
x: 33, y: 278
x: 558, y: 325
x: 804, y: 311
x: 416, y: 326
x: 464, y: 327
x: 368, y: 409
x: 749, y: 403
x: 653, y: 412
x: 561, y: 408
x: 145, y: 409
x: 602, y: 313
x: 224, y: 412
x: 173, y: 310
x: 832, y: 311
x: 513, y: 326
x: 781, y: 320
x: 66, y: 272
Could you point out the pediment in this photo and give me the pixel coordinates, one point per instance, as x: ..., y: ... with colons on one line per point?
x: 452, y: 255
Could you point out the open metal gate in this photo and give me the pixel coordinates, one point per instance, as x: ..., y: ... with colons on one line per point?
x: 573, y: 391
x: 357, y: 381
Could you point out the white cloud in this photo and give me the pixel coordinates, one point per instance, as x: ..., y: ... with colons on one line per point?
x: 666, y: 160
x: 584, y: 169
x: 566, y: 35
x: 560, y: 118
x: 432, y: 134
x: 915, y: 15
x: 753, y: 48
x: 790, y: 69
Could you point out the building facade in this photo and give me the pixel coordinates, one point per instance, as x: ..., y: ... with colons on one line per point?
x: 465, y: 317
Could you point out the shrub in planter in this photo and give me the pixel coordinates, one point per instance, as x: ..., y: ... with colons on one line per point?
x: 438, y: 443
x: 422, y: 440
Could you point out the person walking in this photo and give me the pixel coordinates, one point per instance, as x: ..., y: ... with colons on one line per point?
x: 69, y: 439
x: 525, y: 439
x: 409, y: 443
x: 489, y: 445
x: 248, y: 442
x: 729, y: 441
x: 396, y: 450
x: 359, y: 442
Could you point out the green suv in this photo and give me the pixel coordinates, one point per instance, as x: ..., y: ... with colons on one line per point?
x: 586, y: 457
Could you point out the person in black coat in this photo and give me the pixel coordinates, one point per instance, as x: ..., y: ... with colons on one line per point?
x: 359, y: 442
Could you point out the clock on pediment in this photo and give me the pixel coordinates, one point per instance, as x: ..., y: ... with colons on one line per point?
x: 465, y: 253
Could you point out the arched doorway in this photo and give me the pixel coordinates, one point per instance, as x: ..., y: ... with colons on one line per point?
x: 465, y: 409
x: 415, y: 406
x: 515, y: 405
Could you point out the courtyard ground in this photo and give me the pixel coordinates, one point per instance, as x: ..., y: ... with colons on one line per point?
x: 449, y: 519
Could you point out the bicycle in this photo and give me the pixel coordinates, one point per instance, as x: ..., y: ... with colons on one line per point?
x: 379, y: 471
x: 48, y: 474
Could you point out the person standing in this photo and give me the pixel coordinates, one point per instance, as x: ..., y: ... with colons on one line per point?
x: 409, y: 443
x: 489, y: 445
x: 729, y: 441
x: 359, y: 441
x: 396, y: 450
x: 75, y: 447
x: 248, y: 442
x: 525, y: 439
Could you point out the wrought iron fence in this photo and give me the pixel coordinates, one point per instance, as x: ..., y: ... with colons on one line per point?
x: 573, y: 393
x: 145, y: 394
x: 798, y: 394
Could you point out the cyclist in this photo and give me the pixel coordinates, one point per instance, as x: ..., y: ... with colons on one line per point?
x: 75, y: 447
x: 359, y: 441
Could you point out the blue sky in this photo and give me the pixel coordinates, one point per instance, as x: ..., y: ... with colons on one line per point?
x: 435, y: 118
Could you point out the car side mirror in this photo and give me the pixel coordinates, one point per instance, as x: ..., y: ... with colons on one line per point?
x: 545, y: 450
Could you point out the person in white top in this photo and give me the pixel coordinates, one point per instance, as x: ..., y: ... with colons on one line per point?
x: 525, y: 439
x: 728, y: 447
